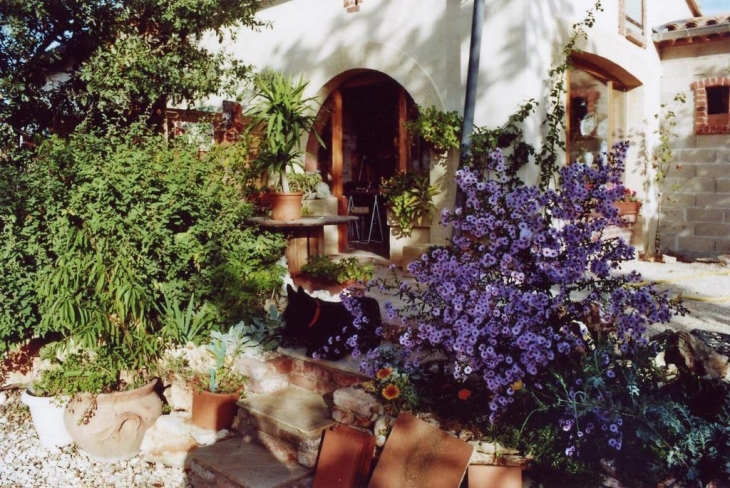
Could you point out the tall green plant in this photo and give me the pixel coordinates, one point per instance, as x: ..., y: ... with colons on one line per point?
x: 109, y: 221
x: 283, y: 115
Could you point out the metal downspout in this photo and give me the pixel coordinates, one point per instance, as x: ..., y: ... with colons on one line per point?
x: 472, y: 76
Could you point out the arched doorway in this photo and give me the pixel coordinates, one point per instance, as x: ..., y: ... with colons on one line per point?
x: 363, y: 123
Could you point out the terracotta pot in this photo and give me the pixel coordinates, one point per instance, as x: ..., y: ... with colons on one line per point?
x: 47, y: 415
x: 214, y: 411
x: 111, y: 426
x: 286, y: 206
x: 628, y: 208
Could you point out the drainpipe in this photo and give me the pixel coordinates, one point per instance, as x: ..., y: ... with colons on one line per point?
x: 472, y: 76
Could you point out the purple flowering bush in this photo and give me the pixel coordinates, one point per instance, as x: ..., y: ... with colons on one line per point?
x: 538, y: 339
x: 507, y: 298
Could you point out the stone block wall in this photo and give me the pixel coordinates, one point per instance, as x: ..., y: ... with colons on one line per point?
x: 695, y: 217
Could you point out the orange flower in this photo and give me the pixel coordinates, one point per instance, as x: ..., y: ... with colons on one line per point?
x: 517, y: 385
x: 464, y: 394
x: 383, y: 373
x: 391, y: 392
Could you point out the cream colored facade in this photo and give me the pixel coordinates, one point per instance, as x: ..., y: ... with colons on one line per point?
x: 424, y: 47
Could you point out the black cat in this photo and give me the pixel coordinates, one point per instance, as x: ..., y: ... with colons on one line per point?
x: 324, y: 327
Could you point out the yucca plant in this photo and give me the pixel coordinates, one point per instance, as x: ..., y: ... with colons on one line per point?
x: 283, y: 115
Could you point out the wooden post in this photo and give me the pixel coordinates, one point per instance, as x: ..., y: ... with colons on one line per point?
x: 403, y: 145
x: 337, y: 148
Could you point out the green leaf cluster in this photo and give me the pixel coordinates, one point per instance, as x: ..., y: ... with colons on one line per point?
x: 281, y: 115
x: 328, y: 270
x: 442, y: 130
x: 108, y: 234
x: 124, y: 59
x: 409, y: 199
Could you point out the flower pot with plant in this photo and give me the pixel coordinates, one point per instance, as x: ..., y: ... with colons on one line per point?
x: 216, y: 391
x: 109, y: 410
x: 281, y: 115
x: 409, y: 200
x: 628, y: 205
x: 47, y: 405
x: 325, y: 273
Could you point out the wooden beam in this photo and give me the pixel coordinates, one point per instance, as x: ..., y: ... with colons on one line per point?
x: 403, y: 144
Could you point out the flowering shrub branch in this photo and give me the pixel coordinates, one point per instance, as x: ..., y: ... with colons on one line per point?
x: 504, y: 301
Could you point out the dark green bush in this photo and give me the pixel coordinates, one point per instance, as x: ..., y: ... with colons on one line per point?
x: 104, y: 231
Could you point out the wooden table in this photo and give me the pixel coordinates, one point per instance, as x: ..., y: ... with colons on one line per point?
x: 306, y: 235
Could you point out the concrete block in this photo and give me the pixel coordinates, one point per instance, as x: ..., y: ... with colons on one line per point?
x: 715, y: 170
x: 695, y: 244
x: 689, y: 185
x: 673, y: 199
x: 723, y: 185
x: 696, y: 155
x: 713, y: 200
x: 712, y: 230
x: 704, y: 215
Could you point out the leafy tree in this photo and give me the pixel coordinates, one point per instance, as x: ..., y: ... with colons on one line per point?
x: 66, y: 61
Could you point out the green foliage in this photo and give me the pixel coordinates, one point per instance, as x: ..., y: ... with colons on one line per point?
x: 409, y: 198
x: 620, y: 410
x: 304, y: 182
x: 81, y: 372
x: 123, y: 59
x: 283, y: 116
x: 325, y: 269
x: 102, y: 224
x: 663, y: 155
x: 442, y: 130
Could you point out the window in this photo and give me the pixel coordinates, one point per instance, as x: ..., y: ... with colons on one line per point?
x: 631, y: 21
x: 596, y: 112
x: 717, y: 100
x: 712, y: 105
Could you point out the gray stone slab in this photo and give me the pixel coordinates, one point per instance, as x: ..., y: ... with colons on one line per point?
x: 294, y: 410
x: 243, y: 465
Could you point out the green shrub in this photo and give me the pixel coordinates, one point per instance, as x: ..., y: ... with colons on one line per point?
x: 325, y: 269
x: 117, y: 227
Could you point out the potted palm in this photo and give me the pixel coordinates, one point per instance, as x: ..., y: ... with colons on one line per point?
x: 281, y: 115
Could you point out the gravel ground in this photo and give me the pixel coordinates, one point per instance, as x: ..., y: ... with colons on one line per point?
x: 25, y: 463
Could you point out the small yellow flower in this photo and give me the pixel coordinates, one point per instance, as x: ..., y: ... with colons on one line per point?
x: 517, y: 385
x: 391, y: 392
x: 383, y: 373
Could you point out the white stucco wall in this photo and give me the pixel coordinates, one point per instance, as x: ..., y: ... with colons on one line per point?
x: 424, y: 46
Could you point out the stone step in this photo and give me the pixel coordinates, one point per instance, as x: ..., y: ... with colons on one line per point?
x: 237, y: 464
x: 321, y: 376
x: 288, y: 422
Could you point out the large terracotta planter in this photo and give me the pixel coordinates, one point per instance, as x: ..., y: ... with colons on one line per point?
x: 286, y: 206
x: 47, y: 415
x: 111, y: 426
x: 214, y: 411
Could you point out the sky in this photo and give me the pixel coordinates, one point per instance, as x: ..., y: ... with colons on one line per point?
x: 712, y: 7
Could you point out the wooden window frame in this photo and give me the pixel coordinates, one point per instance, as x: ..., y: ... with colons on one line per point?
x: 631, y: 29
